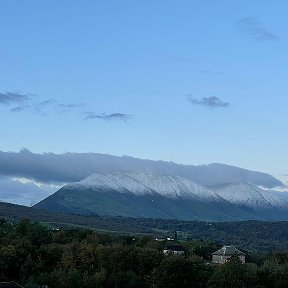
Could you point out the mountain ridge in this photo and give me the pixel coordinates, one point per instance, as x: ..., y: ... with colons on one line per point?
x: 151, y: 195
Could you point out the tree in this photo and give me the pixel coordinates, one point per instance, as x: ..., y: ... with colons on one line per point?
x: 234, y: 274
x: 177, y: 271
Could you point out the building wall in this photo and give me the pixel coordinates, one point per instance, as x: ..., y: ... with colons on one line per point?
x: 218, y: 259
x: 223, y: 259
x: 242, y: 258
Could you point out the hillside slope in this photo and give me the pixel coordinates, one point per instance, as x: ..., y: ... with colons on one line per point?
x: 152, y: 195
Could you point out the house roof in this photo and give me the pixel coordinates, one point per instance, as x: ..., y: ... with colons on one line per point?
x: 174, y: 248
x: 9, y: 285
x: 228, y: 251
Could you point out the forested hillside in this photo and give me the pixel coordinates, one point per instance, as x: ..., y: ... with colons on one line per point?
x: 251, y: 235
x: 35, y: 255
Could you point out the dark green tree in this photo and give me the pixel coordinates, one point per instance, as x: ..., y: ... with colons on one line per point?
x: 178, y: 271
x: 234, y: 274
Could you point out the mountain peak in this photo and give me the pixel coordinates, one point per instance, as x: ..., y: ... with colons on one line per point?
x: 150, y: 194
x: 146, y: 182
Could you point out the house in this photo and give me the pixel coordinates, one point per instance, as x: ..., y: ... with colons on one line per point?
x: 223, y: 255
x: 9, y: 285
x: 173, y: 250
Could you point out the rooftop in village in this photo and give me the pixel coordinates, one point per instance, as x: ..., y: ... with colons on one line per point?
x: 228, y: 251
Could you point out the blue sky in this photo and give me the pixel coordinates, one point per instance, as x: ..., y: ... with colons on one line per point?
x: 185, y: 81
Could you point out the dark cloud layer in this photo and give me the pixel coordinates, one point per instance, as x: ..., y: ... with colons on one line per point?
x: 71, y: 167
x: 255, y: 29
x: 104, y: 116
x: 213, y: 102
x: 10, y: 98
x: 27, y: 194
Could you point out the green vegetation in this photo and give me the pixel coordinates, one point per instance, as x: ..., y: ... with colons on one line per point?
x: 249, y: 235
x: 36, y: 255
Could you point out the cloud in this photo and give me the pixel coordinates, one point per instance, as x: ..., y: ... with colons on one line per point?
x: 10, y: 98
x: 70, y: 167
x: 46, y: 102
x: 20, y: 108
x: 212, y: 73
x: 255, y: 29
x: 18, y: 192
x: 57, y: 168
x: 47, y: 106
x: 64, y: 108
x: 104, y: 116
x: 25, y: 102
x: 212, y: 102
x: 43, y: 107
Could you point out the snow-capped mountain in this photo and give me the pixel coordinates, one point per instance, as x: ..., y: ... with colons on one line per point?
x: 147, y: 194
x: 141, y: 183
x: 250, y: 196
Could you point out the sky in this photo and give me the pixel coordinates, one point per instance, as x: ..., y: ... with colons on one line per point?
x: 189, y: 81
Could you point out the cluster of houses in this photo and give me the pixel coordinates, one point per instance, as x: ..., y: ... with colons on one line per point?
x: 220, y: 256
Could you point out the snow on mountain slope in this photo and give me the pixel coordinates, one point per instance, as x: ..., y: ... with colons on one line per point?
x: 250, y: 196
x: 152, y: 195
x: 281, y: 195
x: 142, y: 183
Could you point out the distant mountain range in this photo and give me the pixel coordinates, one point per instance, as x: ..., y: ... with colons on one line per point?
x: 153, y: 195
x: 47, y: 172
x: 126, y: 186
x: 27, y: 178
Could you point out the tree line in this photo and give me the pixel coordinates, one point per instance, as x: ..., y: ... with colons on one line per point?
x: 251, y: 235
x: 35, y: 255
